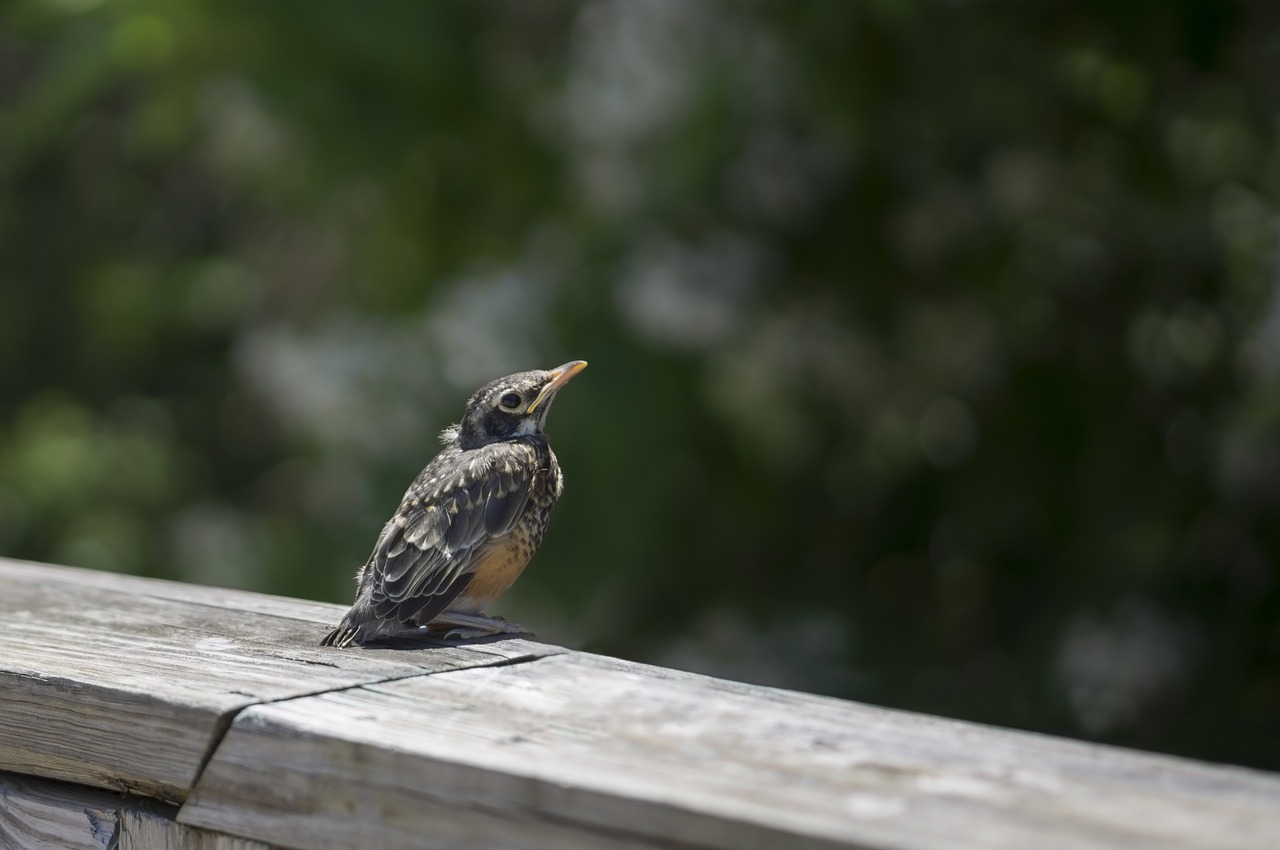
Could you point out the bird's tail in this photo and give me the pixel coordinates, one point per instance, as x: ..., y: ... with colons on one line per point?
x: 359, y: 626
x: 343, y: 635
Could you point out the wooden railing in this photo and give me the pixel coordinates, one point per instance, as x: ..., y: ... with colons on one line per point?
x: 137, y: 713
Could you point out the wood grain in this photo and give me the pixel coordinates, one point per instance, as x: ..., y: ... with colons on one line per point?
x: 142, y: 830
x: 40, y: 814
x: 37, y: 815
x: 615, y: 754
x: 126, y: 683
x: 224, y: 700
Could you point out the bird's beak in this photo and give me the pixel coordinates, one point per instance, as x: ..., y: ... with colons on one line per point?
x: 560, y: 376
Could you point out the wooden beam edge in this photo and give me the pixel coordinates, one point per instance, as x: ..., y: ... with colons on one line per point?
x: 922, y: 772
x: 226, y: 719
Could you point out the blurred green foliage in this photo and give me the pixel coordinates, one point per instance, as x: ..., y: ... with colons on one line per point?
x: 935, y: 346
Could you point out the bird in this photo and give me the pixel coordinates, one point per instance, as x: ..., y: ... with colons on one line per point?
x: 469, y: 523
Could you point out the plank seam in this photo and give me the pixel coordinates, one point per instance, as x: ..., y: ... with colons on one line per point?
x: 225, y: 720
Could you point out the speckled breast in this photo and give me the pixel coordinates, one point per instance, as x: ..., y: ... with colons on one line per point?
x: 498, y: 563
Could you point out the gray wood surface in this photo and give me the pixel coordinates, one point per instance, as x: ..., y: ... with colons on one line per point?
x: 141, y: 830
x: 36, y: 815
x: 39, y: 814
x: 126, y: 683
x: 222, y: 700
x: 618, y: 754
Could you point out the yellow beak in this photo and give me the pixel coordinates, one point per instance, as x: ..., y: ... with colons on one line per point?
x: 560, y: 376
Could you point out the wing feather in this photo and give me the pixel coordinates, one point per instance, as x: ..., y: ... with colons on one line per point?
x: 422, y: 559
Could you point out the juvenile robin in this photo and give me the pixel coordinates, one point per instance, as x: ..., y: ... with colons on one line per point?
x: 470, y: 521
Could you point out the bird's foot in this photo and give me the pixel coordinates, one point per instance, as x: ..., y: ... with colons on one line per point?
x: 455, y: 626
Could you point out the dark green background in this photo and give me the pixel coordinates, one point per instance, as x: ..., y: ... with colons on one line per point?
x: 935, y: 346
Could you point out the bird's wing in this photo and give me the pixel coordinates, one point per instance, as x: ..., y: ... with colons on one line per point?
x: 422, y: 558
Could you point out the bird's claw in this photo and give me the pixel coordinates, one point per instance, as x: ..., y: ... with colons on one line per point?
x: 470, y: 626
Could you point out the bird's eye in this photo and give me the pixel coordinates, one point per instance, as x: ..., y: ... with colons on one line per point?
x: 510, y: 401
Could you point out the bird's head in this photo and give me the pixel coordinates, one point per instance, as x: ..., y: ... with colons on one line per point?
x: 513, y: 406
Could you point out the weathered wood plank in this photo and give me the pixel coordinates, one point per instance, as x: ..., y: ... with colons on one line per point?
x: 39, y: 814
x: 127, y: 683
x: 142, y: 830
x: 576, y: 750
x: 177, y: 591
